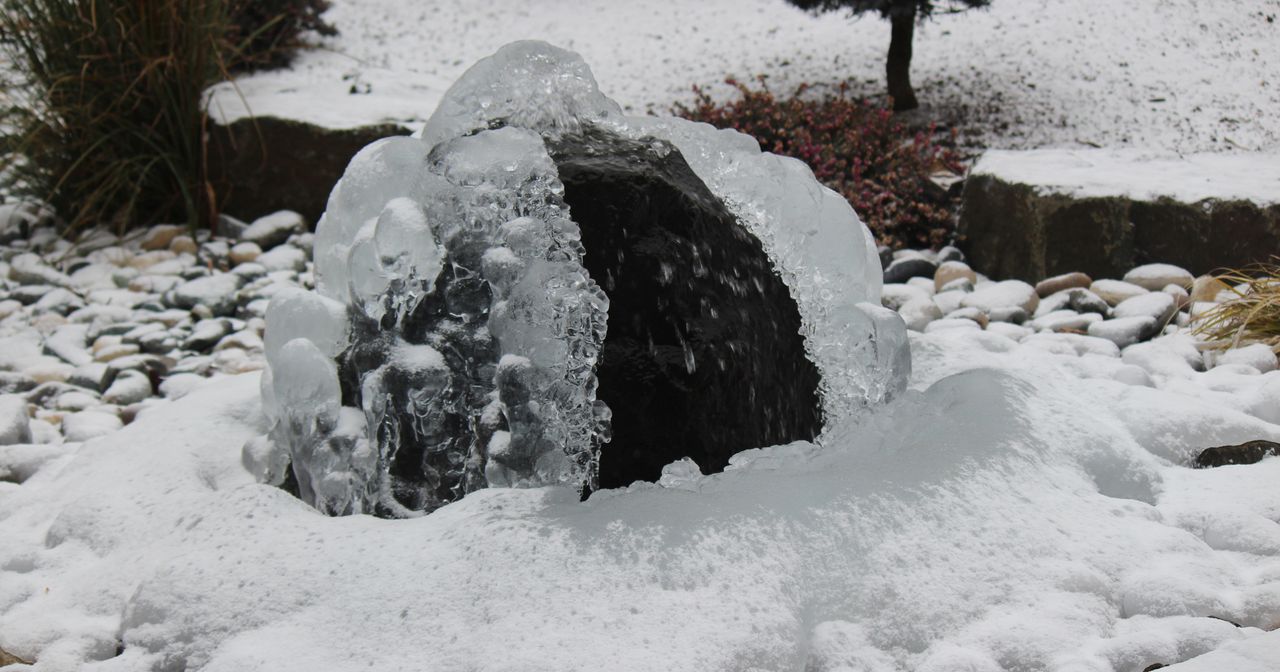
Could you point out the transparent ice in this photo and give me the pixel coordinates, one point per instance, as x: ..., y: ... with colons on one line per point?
x: 455, y: 327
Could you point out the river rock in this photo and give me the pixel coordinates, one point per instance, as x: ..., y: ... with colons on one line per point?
x: 918, y: 313
x: 87, y: 425
x: 1006, y: 294
x: 160, y: 236
x: 1058, y: 283
x: 1157, y: 305
x: 1115, y: 291
x: 130, y: 387
x: 1154, y: 277
x: 900, y: 270
x: 217, y: 293
x: 951, y: 271
x: 14, y: 422
x: 1249, y: 452
x: 274, y: 229
x: 1125, y: 331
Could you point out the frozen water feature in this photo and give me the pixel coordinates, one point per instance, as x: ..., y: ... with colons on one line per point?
x: 538, y: 276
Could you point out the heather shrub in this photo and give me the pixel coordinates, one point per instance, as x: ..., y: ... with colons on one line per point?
x: 855, y: 148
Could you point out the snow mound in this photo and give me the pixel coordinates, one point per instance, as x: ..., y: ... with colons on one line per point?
x: 993, y: 519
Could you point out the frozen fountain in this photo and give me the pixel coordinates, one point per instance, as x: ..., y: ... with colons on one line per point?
x: 542, y: 290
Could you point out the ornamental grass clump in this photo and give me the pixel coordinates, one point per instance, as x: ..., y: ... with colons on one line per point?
x: 853, y: 147
x: 1252, y: 316
x: 104, y: 114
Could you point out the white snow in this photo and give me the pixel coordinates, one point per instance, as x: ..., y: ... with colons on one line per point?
x: 1178, y: 75
x: 1139, y: 174
x: 1014, y: 511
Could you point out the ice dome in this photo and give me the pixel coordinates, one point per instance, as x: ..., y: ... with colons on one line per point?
x: 539, y: 276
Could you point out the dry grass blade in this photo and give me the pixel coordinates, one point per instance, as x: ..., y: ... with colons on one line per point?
x: 1252, y: 316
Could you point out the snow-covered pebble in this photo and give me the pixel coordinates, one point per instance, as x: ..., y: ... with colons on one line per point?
x: 1159, y: 306
x: 14, y: 422
x: 949, y: 301
x: 1060, y: 320
x: 1004, y: 294
x: 973, y: 314
x: 283, y: 258
x: 1058, y: 283
x: 271, y: 230
x: 180, y: 384
x: 918, y: 313
x: 1014, y: 332
x: 951, y: 271
x: 130, y: 387
x: 1012, y: 314
x: 1125, y: 331
x: 1256, y: 355
x: 87, y: 425
x: 910, y: 267
x: 947, y: 324
x: 1115, y: 291
x: 1206, y: 288
x: 160, y: 236
x: 183, y: 245
x: 1154, y: 277
x: 896, y: 295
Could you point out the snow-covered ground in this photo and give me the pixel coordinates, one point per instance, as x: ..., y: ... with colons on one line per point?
x: 1174, y: 75
x: 1018, y: 510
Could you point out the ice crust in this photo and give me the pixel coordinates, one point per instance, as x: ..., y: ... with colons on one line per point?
x: 460, y: 242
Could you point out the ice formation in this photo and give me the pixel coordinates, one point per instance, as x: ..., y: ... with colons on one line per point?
x: 455, y: 335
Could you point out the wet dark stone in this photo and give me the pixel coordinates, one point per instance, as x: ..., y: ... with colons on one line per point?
x: 1245, y: 453
x: 703, y: 356
x: 903, y: 270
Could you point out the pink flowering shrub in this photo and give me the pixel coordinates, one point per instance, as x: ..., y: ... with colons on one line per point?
x: 853, y: 147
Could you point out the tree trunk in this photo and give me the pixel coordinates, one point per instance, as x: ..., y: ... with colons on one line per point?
x: 898, y: 65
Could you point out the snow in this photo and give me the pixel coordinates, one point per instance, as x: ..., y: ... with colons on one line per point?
x: 1011, y: 512
x: 1142, y: 175
x: 1181, y: 75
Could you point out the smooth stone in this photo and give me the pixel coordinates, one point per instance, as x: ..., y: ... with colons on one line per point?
x: 12, y: 382
x: 953, y: 270
x: 919, y: 313
x: 950, y: 253
x: 244, y: 253
x: 216, y: 293
x: 180, y: 384
x: 949, y: 324
x: 923, y: 284
x: 895, y: 295
x: 273, y: 229
x: 30, y: 269
x: 183, y: 245
x: 1154, y: 277
x: 148, y: 261
x: 1085, y: 301
x: 283, y: 258
x: 1012, y: 315
x: 1014, y: 332
x: 68, y: 344
x: 886, y: 257
x: 15, y: 423
x: 1058, y: 283
x: 1257, y: 355
x: 1250, y: 452
x: 130, y: 387
x: 154, y: 284
x: 29, y: 294
x: 969, y: 314
x: 1115, y: 291
x: 909, y: 267
x: 949, y: 301
x: 1206, y: 288
x: 1181, y: 297
x: 9, y: 307
x: 205, y: 334
x: 96, y: 376
x: 1156, y: 305
x: 75, y: 400
x: 1125, y: 331
x: 138, y: 332
x: 113, y: 352
x: 60, y: 301
x: 1060, y: 320
x: 959, y: 284
x: 160, y: 236
x: 121, y: 277
x: 244, y: 340
x: 1004, y: 294
x: 154, y: 366
x: 87, y: 425
x: 49, y: 370
x: 157, y: 343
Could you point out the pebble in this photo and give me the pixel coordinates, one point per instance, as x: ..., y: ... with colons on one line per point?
x: 1256, y: 355
x: 1154, y: 277
x: 160, y: 236
x: 75, y: 400
x: 87, y: 425
x: 950, y: 324
x: 1206, y: 288
x: 900, y: 270
x: 49, y: 370
x: 1125, y: 331
x: 12, y: 382
x: 1058, y: 283
x: 216, y: 293
x: 272, y: 230
x: 949, y: 301
x: 114, y: 352
x: 1115, y: 291
x: 180, y: 385
x: 1011, y: 314
x: 895, y: 295
x: 923, y: 284
x: 1064, y: 320
x: 183, y: 245
x: 96, y: 376
x: 1156, y: 305
x: 972, y: 314
x: 15, y: 426
x: 130, y: 387
x: 1013, y: 332
x: 243, y: 253
x: 283, y: 258
x: 919, y: 313
x: 951, y: 271
x: 1004, y: 294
